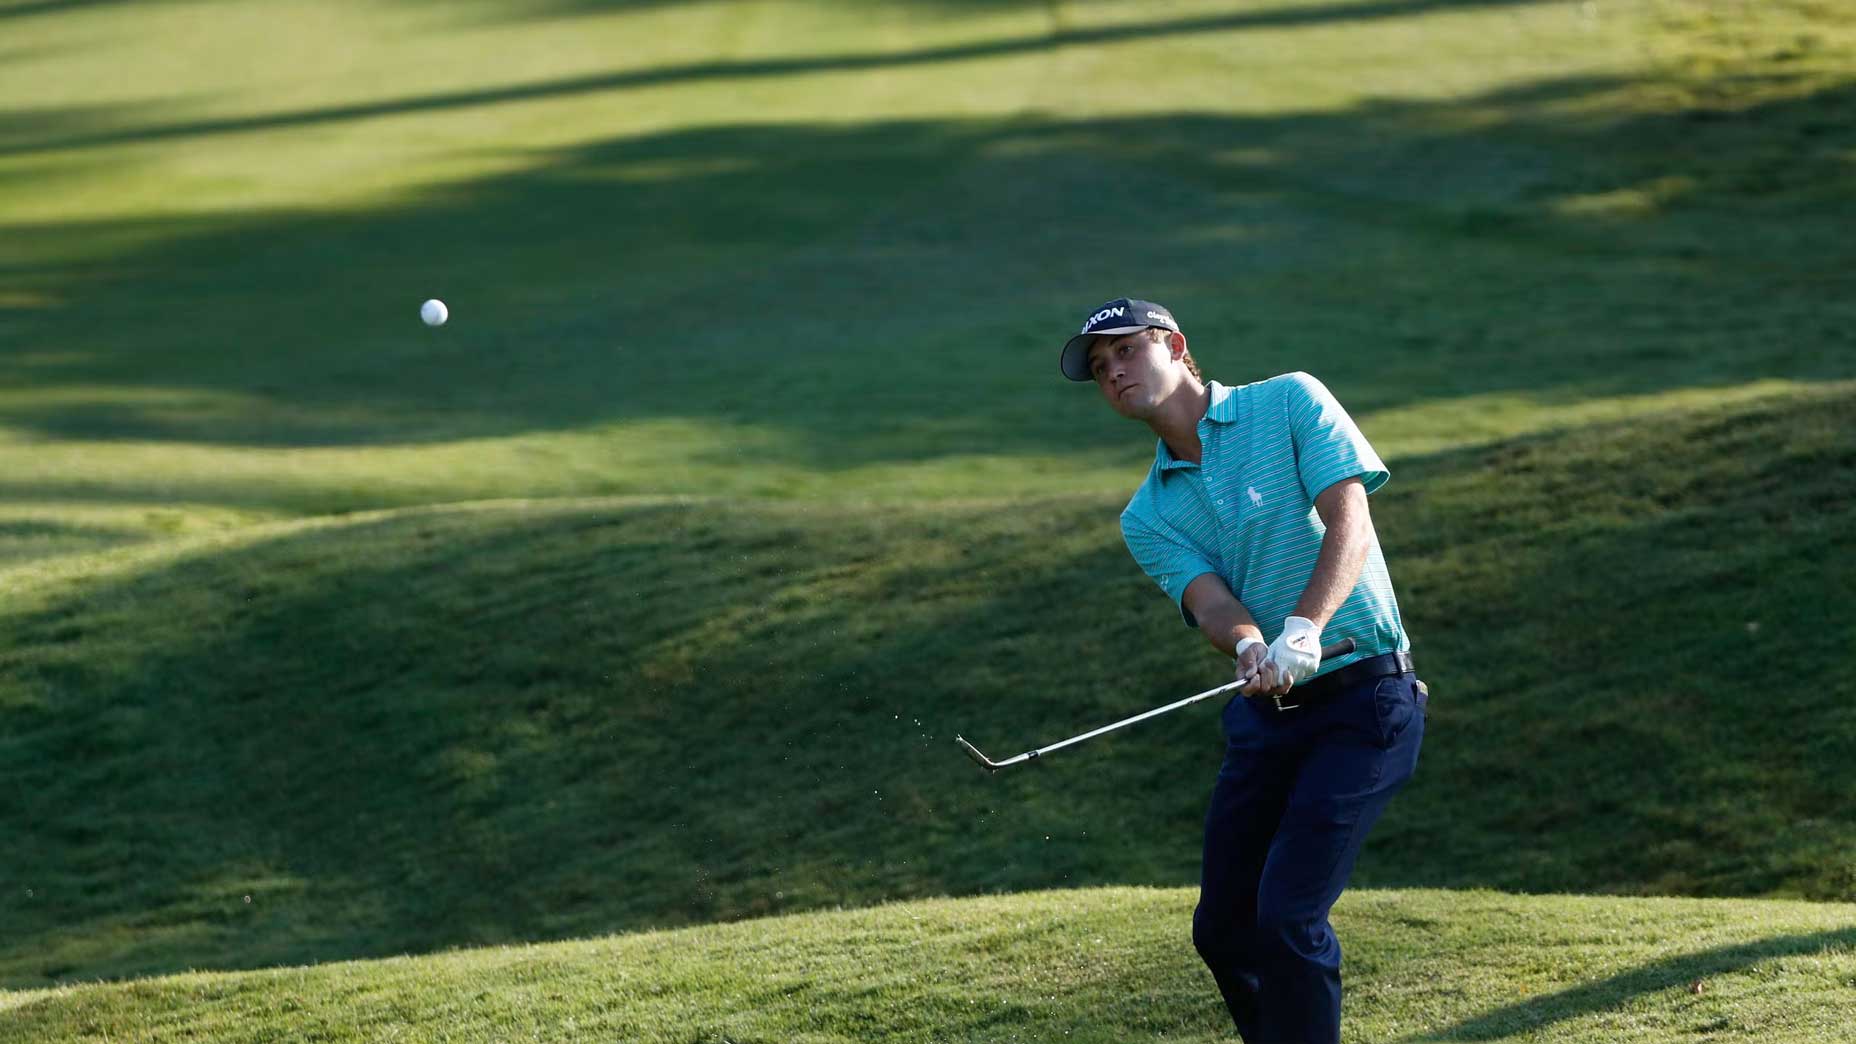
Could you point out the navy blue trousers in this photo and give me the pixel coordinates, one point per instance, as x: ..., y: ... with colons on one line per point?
x: 1294, y: 800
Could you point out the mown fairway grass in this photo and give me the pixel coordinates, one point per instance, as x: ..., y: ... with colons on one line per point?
x: 328, y: 636
x: 1092, y: 966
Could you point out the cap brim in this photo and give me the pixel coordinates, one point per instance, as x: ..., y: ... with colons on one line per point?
x: 1074, y: 362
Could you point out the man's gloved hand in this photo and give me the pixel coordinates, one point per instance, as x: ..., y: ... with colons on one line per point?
x: 1292, y: 657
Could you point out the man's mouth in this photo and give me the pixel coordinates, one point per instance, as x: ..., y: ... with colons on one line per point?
x: 1124, y: 391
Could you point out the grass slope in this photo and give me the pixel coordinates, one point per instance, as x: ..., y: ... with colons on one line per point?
x: 1096, y: 965
x: 552, y: 623
x: 440, y: 727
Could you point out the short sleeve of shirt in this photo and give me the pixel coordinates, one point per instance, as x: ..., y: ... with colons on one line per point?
x: 1171, y: 563
x: 1328, y: 445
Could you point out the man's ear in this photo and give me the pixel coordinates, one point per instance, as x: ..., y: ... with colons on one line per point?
x: 1176, y: 345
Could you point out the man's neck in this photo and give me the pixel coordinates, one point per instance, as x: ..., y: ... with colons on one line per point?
x: 1177, y: 421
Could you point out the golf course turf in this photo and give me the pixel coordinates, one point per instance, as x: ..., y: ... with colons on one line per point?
x: 588, y: 667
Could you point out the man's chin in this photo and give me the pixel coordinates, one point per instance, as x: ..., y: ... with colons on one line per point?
x: 1135, y: 404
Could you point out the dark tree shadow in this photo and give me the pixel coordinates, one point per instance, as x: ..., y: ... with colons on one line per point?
x: 37, y: 8
x: 506, y: 12
x: 12, y: 143
x: 24, y: 539
x: 1063, y: 23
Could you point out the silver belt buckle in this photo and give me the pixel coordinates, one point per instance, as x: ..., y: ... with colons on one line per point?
x: 1281, y: 706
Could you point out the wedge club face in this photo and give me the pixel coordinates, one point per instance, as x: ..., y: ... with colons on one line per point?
x: 974, y: 752
x: 987, y: 763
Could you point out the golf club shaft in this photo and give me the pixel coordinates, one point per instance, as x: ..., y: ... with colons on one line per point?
x: 1338, y: 649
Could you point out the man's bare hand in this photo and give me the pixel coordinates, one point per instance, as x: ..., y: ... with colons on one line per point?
x: 1251, y: 654
x: 1272, y: 680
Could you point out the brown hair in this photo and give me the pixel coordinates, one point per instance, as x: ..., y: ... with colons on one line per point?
x: 1159, y: 334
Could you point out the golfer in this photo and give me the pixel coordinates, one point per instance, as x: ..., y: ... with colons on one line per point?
x: 1253, y: 519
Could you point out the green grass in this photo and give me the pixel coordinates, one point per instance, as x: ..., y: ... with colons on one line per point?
x: 1095, y: 965
x: 552, y: 623
x: 219, y: 313
x: 445, y: 726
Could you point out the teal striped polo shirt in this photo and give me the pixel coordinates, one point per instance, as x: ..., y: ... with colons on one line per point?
x: 1247, y: 511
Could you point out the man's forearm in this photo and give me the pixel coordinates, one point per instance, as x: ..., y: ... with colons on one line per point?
x: 1343, y: 555
x: 1229, y: 624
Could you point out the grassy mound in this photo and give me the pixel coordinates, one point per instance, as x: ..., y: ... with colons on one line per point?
x: 325, y: 635
x: 509, y: 721
x: 1638, y: 624
x: 1095, y: 965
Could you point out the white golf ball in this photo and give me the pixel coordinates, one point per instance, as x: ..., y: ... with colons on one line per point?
x: 434, y: 312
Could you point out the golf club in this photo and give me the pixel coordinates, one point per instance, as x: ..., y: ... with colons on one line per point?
x: 1328, y: 652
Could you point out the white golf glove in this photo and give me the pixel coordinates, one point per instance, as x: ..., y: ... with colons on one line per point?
x: 1294, y: 654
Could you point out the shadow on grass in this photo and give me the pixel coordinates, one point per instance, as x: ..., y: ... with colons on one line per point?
x: 472, y: 727
x: 1591, y: 998
x: 746, y: 69
x: 1344, y: 11
x: 1600, y: 605
x: 800, y: 277
x: 485, y: 725
x: 22, y: 539
x: 505, y: 11
x: 37, y: 8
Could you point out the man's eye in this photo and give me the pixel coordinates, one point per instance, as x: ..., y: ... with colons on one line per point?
x: 1123, y: 349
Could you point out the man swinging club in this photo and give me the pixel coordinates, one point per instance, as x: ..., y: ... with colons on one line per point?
x: 1253, y: 519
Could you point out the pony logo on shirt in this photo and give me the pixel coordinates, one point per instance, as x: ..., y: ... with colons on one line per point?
x: 1256, y: 499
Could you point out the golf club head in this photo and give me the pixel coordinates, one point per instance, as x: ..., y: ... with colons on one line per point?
x: 974, y: 753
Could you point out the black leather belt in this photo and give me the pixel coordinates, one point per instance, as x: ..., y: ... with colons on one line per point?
x: 1334, y: 682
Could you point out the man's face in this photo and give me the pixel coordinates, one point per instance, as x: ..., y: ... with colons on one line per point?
x: 1136, y: 373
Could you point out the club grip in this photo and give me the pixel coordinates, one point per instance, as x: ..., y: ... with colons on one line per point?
x: 1338, y: 649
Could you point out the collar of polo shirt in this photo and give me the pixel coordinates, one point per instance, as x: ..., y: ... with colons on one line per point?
x: 1222, y: 409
